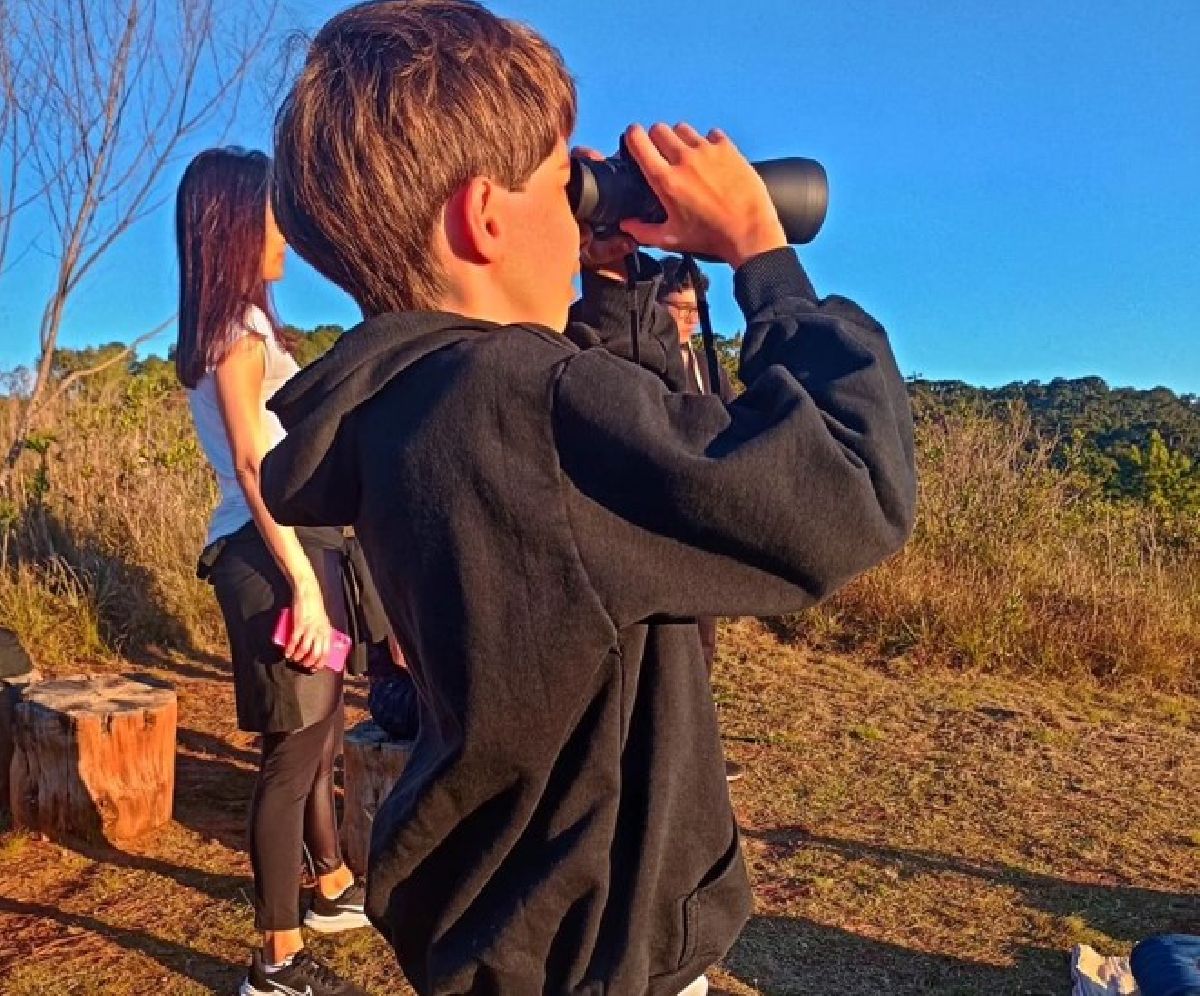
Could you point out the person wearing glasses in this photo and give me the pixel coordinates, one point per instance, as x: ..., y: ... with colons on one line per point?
x: 677, y: 293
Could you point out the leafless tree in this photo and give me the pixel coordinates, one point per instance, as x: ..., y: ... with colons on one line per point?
x: 14, y: 141
x: 100, y: 98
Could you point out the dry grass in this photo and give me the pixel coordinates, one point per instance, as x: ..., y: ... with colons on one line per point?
x: 172, y: 912
x: 971, y: 759
x: 1015, y: 567
x: 1018, y: 567
x: 961, y: 847
x: 980, y: 829
x: 98, y: 544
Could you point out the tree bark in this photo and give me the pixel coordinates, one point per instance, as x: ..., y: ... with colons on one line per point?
x: 94, y: 758
x: 12, y: 688
x: 373, y: 764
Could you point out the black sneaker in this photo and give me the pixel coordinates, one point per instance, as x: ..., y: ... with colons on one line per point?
x: 302, y: 976
x: 734, y: 771
x: 329, y: 916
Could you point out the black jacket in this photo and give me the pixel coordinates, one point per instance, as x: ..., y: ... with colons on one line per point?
x: 724, y: 389
x: 544, y: 522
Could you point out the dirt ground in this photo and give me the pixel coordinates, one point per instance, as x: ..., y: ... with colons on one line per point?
x: 906, y: 832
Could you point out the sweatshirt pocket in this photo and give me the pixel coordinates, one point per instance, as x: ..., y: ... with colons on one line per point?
x: 715, y: 913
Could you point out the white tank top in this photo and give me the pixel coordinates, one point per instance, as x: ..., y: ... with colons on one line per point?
x: 233, y: 512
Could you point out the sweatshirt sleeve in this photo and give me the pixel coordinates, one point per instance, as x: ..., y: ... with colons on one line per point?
x: 603, y: 317
x: 682, y: 505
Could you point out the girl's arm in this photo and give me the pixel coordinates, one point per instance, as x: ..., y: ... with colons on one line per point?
x: 239, y: 380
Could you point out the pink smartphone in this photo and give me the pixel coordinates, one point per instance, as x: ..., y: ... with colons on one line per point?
x: 339, y: 642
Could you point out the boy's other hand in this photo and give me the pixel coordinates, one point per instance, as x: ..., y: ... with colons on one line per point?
x: 604, y: 256
x: 716, y: 204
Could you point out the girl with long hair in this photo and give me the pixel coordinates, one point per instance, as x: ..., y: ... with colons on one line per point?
x: 232, y: 356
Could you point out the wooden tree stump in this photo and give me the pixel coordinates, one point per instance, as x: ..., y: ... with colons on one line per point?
x: 15, y: 661
x: 12, y: 688
x: 16, y: 674
x: 373, y: 764
x: 94, y: 758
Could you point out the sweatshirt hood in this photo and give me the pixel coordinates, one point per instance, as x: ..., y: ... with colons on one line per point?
x: 310, y: 478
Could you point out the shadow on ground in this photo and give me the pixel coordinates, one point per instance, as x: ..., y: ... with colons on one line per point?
x: 171, y: 955
x: 789, y: 956
x: 783, y: 956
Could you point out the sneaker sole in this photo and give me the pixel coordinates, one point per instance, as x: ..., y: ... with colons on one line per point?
x: 246, y: 989
x: 333, y: 924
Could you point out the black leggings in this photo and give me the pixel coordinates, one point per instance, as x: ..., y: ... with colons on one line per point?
x: 293, y: 803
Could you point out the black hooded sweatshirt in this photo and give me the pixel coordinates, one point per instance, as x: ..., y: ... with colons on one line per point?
x: 544, y: 523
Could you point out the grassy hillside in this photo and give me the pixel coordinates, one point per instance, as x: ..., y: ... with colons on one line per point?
x: 1024, y: 560
x: 970, y: 759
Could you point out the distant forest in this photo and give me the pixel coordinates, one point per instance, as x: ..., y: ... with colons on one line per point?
x: 1141, y: 445
x: 1137, y: 444
x: 1111, y: 419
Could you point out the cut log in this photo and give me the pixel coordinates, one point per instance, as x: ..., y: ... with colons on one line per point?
x: 11, y: 690
x: 373, y: 763
x: 94, y: 758
x: 14, y: 658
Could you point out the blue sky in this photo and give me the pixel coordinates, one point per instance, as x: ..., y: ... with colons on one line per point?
x: 1014, y: 188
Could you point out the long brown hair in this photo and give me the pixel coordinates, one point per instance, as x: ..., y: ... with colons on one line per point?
x: 220, y: 230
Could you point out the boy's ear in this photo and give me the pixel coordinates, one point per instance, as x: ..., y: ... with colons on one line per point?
x: 473, y: 222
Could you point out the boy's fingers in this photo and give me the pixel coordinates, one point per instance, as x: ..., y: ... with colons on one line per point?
x: 606, y: 255
x: 616, y: 246
x: 689, y: 135
x: 584, y: 152
x: 647, y: 234
x: 668, y: 143
x: 645, y: 153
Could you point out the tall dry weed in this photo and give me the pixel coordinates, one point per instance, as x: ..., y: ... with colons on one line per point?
x: 1020, y: 565
x: 1016, y: 564
x: 104, y: 527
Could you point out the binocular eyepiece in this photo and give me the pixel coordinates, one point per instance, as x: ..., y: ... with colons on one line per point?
x: 603, y: 193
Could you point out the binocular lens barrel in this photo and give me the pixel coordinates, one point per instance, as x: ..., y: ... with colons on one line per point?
x: 605, y: 192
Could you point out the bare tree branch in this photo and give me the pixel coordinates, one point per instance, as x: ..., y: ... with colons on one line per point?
x: 77, y: 375
x: 100, y: 97
x: 21, y: 109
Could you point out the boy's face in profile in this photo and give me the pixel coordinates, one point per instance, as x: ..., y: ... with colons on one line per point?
x: 541, y: 258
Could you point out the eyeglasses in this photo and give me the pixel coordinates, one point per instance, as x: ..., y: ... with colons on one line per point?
x: 684, y: 310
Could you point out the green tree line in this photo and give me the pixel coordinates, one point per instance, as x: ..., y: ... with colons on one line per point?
x: 1141, y: 445
x: 1133, y: 444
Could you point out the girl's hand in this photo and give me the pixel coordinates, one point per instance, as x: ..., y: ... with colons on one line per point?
x: 308, y: 645
x: 396, y: 652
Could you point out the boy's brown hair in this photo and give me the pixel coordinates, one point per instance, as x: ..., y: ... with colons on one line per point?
x: 399, y: 103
